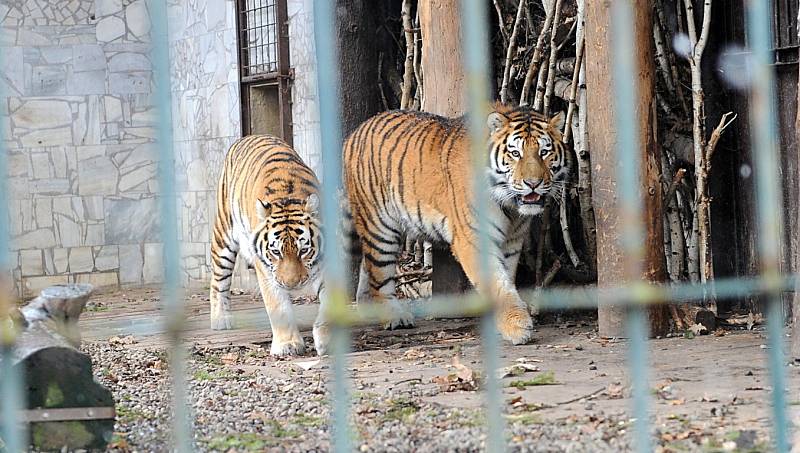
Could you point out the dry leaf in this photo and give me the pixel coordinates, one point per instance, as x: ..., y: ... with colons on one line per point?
x: 414, y: 354
x: 614, y: 391
x: 230, y: 358
x: 307, y: 365
x: 129, y: 339
x: 698, y: 329
x: 676, y: 402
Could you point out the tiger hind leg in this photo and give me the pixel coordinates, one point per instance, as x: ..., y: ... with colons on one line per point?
x: 223, y: 258
x: 380, y: 248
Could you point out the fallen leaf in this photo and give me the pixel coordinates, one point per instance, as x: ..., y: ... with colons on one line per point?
x: 128, y: 339
x: 230, y: 358
x: 516, y: 370
x: 307, y: 365
x: 414, y: 354
x: 614, y: 391
x: 698, y: 329
x: 676, y: 402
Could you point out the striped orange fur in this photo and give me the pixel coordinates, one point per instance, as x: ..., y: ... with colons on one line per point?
x: 267, y: 211
x: 410, y: 173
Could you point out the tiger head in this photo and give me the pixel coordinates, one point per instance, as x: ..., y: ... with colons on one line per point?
x: 288, y: 242
x: 528, y: 158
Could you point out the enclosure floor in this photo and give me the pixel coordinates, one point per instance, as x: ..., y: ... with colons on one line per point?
x: 707, y: 386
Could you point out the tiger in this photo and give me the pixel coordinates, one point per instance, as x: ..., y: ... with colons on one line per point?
x: 410, y: 172
x: 268, y: 212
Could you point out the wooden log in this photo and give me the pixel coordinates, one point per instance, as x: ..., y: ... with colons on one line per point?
x: 611, y: 263
x: 442, y: 64
x: 64, y: 405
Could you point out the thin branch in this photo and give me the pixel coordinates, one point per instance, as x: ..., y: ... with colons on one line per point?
x: 551, y: 71
x: 573, y: 95
x: 536, y: 60
x: 408, y: 70
x: 501, y: 20
x: 562, y: 217
x: 673, y: 186
x: 418, y: 95
x: 715, y: 136
x: 380, y: 81
x: 512, y: 42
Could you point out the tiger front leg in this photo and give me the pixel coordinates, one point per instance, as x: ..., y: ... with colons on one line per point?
x: 514, y: 321
x: 222, y: 263
x: 286, y: 338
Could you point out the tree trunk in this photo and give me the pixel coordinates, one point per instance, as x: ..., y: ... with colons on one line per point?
x: 442, y: 61
x: 603, y: 140
x: 795, y: 348
x: 356, y: 25
x: 443, y: 66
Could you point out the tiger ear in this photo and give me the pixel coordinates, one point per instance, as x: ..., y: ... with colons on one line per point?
x: 557, y: 122
x: 263, y: 209
x: 312, y: 204
x: 496, y: 120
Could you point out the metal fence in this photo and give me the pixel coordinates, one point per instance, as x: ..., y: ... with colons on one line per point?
x: 636, y: 295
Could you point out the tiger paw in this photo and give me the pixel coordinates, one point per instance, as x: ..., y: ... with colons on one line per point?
x: 221, y: 321
x: 287, y: 348
x: 515, y: 324
x: 322, y: 336
x: 401, y: 316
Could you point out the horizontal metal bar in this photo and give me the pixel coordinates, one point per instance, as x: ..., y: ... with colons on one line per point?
x: 67, y: 414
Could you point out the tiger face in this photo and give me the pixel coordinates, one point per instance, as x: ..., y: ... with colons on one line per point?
x: 287, y: 241
x: 527, y: 158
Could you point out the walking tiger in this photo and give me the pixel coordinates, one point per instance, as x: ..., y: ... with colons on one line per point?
x: 410, y: 172
x: 267, y: 211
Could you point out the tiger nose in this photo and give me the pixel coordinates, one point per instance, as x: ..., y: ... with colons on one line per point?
x: 532, y: 183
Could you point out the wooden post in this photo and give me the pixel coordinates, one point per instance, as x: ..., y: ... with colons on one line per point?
x: 65, y: 406
x: 443, y: 69
x: 795, y: 348
x: 603, y: 141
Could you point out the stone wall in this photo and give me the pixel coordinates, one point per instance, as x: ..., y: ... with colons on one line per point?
x: 305, y: 110
x: 206, y: 117
x: 79, y: 125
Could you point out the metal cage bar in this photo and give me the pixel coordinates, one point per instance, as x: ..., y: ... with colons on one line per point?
x: 11, y: 390
x: 474, y: 17
x: 628, y: 175
x: 335, y: 281
x: 171, y: 296
x: 763, y: 119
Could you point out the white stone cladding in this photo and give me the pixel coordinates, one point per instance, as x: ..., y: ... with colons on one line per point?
x: 79, y: 126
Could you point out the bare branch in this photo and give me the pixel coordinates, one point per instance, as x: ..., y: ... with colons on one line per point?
x: 536, y: 60
x: 673, y: 186
x: 562, y: 217
x: 716, y: 134
x: 500, y: 19
x: 551, y: 71
x: 573, y: 95
x: 512, y: 42
x: 408, y: 71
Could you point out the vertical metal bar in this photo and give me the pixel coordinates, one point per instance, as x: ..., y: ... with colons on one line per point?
x: 628, y: 177
x: 474, y: 22
x: 331, y: 141
x: 170, y: 293
x: 763, y: 120
x: 11, y: 390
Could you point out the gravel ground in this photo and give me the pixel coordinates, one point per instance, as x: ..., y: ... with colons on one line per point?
x: 244, y: 400
x: 240, y: 410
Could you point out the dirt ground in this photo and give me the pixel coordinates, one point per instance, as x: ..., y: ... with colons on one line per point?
x: 708, y: 393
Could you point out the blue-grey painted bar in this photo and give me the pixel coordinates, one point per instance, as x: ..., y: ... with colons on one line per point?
x: 476, y: 55
x: 763, y: 120
x: 170, y: 291
x: 331, y: 140
x: 10, y: 380
x: 630, y: 204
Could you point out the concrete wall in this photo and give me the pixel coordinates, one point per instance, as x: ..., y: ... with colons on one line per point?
x: 79, y: 124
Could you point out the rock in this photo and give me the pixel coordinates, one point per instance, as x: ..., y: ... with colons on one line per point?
x: 110, y: 28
